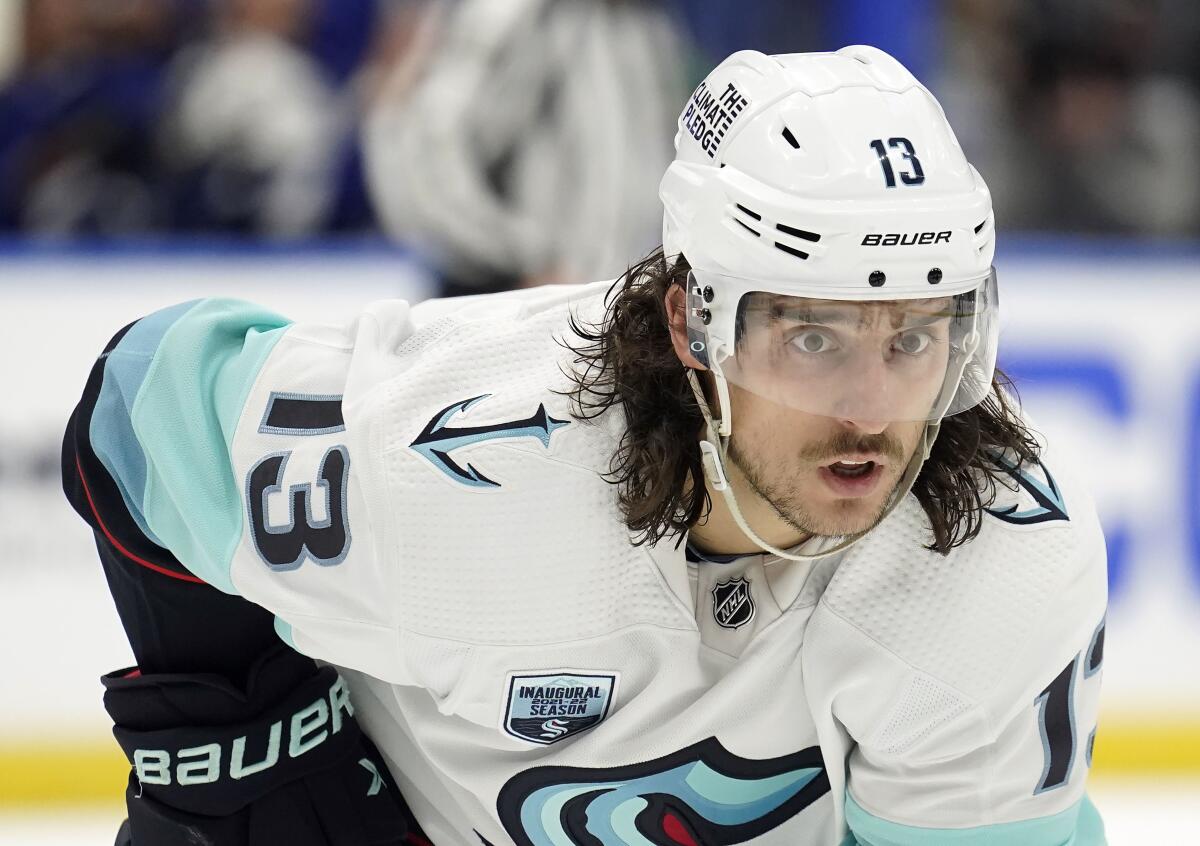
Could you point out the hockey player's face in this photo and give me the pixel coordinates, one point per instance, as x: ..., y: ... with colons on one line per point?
x: 875, y: 360
x: 821, y: 475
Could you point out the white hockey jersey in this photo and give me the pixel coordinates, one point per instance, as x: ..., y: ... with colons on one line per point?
x: 412, y: 498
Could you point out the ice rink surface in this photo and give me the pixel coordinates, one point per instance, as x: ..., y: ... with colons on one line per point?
x: 1135, y: 813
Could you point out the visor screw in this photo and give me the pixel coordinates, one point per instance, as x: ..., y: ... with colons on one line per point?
x: 876, y: 279
x: 705, y: 316
x: 709, y: 294
x: 935, y: 275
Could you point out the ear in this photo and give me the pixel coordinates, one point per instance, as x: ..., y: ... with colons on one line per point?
x: 676, y: 303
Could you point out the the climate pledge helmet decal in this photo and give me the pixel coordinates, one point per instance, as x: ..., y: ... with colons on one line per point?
x: 709, y: 114
x: 701, y: 795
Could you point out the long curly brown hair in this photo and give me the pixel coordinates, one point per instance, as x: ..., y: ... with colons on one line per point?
x: 628, y: 360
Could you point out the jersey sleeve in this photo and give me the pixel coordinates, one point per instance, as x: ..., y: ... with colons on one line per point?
x: 969, y: 688
x: 211, y: 443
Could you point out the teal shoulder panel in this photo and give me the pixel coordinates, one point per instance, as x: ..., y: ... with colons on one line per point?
x: 1079, y: 825
x: 111, y: 432
x: 185, y: 416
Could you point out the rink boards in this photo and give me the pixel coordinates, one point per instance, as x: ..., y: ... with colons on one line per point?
x: 1104, y: 344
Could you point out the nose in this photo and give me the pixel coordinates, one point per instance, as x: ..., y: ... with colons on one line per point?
x: 866, y: 397
x: 866, y: 427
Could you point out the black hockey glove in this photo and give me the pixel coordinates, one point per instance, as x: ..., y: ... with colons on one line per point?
x: 282, y: 762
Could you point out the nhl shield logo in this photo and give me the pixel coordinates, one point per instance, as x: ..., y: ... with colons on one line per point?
x: 732, y: 604
x: 547, y: 708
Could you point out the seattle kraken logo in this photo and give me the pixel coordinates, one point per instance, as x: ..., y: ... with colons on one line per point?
x: 699, y: 795
x: 1048, y: 501
x: 437, y: 440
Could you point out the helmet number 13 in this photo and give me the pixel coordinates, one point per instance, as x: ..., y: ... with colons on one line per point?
x: 914, y: 175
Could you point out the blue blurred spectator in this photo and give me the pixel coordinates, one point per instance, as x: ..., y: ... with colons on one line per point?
x: 253, y: 123
x: 77, y: 121
x: 341, y: 34
x: 1077, y: 113
x: 128, y: 117
x: 195, y: 115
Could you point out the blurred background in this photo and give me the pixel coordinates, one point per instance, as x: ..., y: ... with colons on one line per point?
x: 314, y: 155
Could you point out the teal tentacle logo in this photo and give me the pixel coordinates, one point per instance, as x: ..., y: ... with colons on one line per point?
x: 700, y: 795
x: 438, y: 439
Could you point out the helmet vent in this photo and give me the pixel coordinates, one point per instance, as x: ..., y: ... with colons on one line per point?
x: 985, y: 236
x: 792, y: 250
x: 756, y: 215
x: 790, y: 138
x: 799, y: 233
x: 743, y: 217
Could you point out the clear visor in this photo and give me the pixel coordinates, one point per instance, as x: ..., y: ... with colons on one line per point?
x: 870, y: 362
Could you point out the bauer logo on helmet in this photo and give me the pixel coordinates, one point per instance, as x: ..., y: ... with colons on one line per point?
x: 905, y: 239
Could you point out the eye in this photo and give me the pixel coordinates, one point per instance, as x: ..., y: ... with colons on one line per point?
x: 813, y: 341
x: 913, y: 343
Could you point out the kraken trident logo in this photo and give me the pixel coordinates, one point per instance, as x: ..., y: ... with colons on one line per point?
x: 437, y: 440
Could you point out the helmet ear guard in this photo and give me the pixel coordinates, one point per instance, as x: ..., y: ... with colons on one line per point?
x: 698, y: 318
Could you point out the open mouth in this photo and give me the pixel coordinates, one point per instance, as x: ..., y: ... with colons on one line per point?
x: 851, y: 478
x: 851, y: 469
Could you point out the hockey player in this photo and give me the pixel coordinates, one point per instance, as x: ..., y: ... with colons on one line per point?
x: 750, y: 547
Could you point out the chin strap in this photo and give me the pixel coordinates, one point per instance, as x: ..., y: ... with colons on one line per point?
x: 713, y: 458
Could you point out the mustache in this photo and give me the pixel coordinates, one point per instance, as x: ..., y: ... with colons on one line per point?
x: 847, y: 442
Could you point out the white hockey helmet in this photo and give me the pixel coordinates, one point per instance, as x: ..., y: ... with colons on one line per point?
x: 808, y: 178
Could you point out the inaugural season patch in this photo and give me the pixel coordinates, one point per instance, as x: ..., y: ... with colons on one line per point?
x: 548, y: 708
x: 732, y: 604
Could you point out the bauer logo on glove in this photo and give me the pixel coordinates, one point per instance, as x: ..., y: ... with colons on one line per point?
x: 308, y: 728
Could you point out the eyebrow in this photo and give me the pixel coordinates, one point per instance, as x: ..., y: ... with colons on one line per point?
x: 834, y: 316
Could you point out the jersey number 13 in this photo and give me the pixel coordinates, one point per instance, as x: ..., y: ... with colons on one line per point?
x: 326, y: 541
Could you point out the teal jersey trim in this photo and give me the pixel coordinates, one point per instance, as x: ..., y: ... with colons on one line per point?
x: 284, y: 629
x: 184, y: 417
x: 1090, y: 829
x: 1079, y: 825
x: 111, y: 432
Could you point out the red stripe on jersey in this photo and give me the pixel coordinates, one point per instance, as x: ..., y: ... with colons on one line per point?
x: 673, y: 828
x: 185, y: 577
